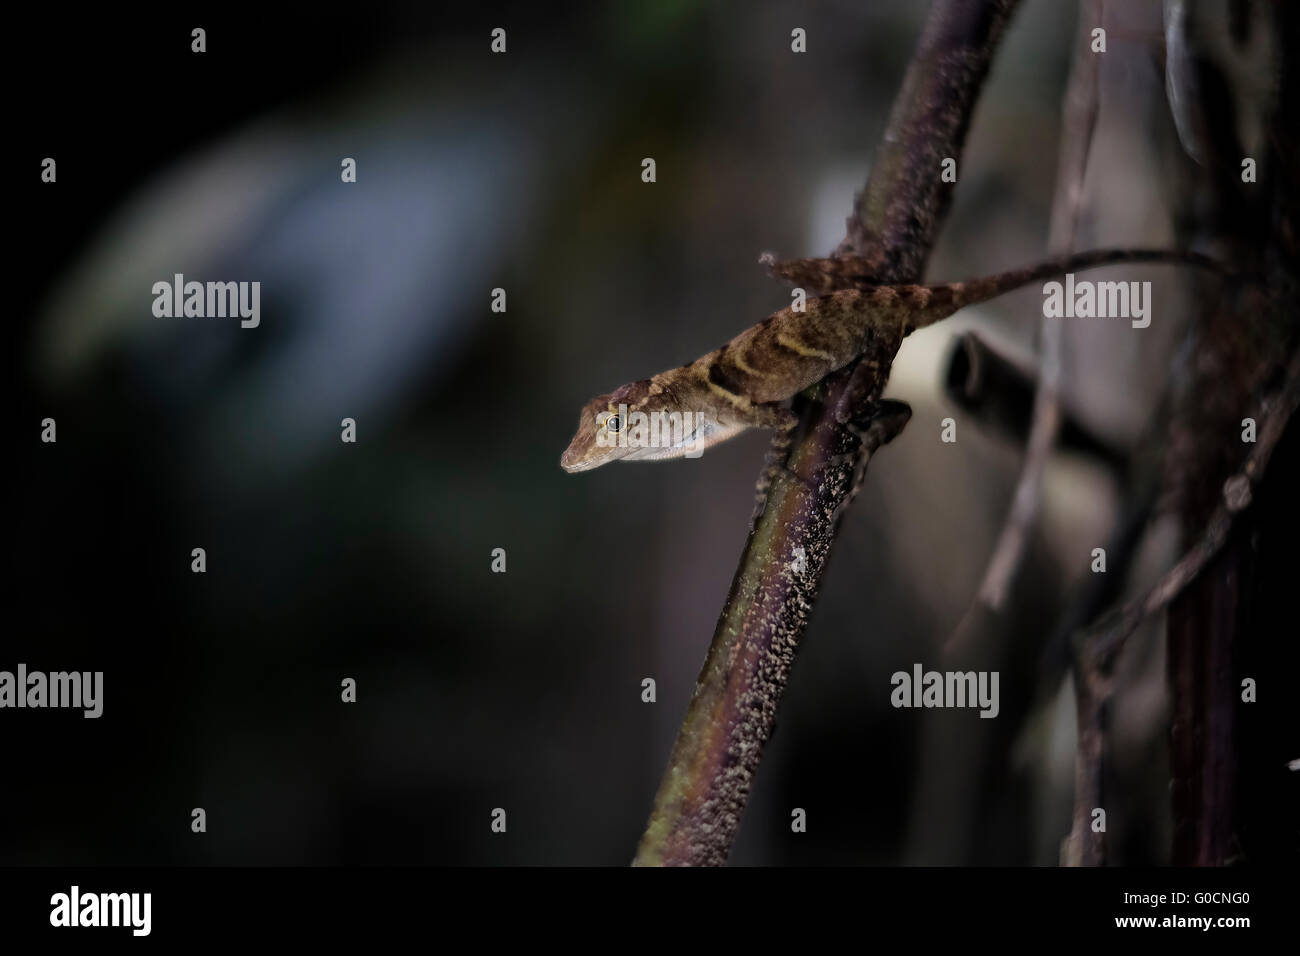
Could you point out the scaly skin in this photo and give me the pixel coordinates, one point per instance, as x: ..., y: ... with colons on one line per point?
x: 742, y: 384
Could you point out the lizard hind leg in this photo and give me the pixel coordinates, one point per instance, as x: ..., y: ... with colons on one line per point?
x: 821, y: 276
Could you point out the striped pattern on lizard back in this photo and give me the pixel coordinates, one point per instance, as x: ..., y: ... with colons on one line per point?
x: 789, y: 350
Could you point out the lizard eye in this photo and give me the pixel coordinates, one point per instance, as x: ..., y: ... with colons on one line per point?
x: 613, y: 423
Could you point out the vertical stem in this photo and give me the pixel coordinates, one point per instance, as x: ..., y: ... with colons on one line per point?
x: 704, y: 791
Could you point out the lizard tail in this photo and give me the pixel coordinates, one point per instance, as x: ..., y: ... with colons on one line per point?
x: 941, y: 301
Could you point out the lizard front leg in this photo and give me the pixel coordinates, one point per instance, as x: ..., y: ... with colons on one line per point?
x: 784, y: 421
x: 882, y: 424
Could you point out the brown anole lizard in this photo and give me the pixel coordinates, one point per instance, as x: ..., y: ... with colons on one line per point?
x: 741, y: 385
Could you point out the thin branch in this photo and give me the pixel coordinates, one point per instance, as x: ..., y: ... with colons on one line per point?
x: 996, y: 386
x: 1099, y: 646
x: 1086, y: 846
x: 1104, y: 640
x: 718, y: 749
x: 1080, y: 121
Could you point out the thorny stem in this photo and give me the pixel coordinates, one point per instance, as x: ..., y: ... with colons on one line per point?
x: 719, y: 746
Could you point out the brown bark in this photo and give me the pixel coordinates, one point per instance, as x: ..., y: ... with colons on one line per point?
x: 803, y: 494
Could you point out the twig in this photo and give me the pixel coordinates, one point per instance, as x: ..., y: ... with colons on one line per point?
x: 1104, y: 640
x: 704, y: 791
x: 1080, y: 120
x: 996, y: 387
x: 1099, y: 646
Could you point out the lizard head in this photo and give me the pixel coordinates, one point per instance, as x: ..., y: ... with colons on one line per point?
x: 596, y: 441
x: 641, y: 421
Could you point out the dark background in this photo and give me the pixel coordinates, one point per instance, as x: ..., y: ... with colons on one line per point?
x: 371, y: 561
